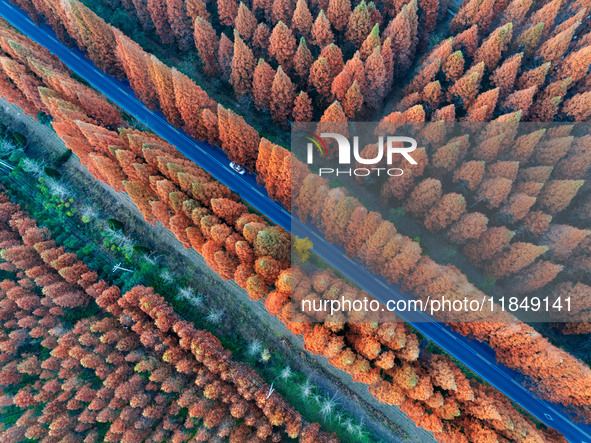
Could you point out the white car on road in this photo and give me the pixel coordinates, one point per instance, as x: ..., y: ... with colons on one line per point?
x: 238, y: 168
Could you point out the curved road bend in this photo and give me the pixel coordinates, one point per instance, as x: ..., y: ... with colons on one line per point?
x: 477, y: 356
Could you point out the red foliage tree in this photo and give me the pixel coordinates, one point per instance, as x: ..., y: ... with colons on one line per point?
x: 321, y: 33
x: 302, y: 19
x: 282, y: 97
x: 338, y: 13
x: 243, y: 66
x: 375, y: 74
x: 359, y: 24
x: 246, y: 22
x: 261, y: 85
x: 227, y: 11
x: 446, y: 211
x: 207, y: 43
x: 302, y: 108
x: 282, y: 44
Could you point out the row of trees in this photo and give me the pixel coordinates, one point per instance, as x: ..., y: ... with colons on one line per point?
x: 481, y: 194
x: 525, y: 194
x: 162, y: 184
x: 165, y: 186
x: 378, y: 244
x: 184, y: 103
x: 133, y: 370
x: 455, y: 75
x: 429, y: 388
x: 137, y: 369
x: 526, y: 59
x: 305, y: 76
x: 282, y: 46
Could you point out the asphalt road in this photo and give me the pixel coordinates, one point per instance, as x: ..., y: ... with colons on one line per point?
x: 479, y: 357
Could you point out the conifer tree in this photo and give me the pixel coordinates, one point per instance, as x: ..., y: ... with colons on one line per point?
x: 97, y: 37
x: 445, y: 211
x: 356, y: 70
x: 321, y: 78
x: 225, y: 55
x: 425, y: 75
x: 403, y: 34
x: 557, y: 195
x: 426, y: 194
x: 243, y: 65
x: 246, y: 22
x: 388, y: 57
x: 494, y: 191
x: 467, y: 41
x: 238, y: 138
x: 302, y: 108
x: 370, y: 43
x: 302, y: 60
x: 534, y: 77
x: 520, y: 100
x: 466, y: 16
x: 575, y: 64
x: 483, y: 106
x: 190, y: 99
x: 375, y: 74
x: 492, y: 48
x: 432, y: 95
x: 135, y: 65
x: 578, y: 107
x: 527, y: 41
x: 262, y: 9
x: 535, y: 276
x: 446, y: 114
x: 429, y: 12
x: 207, y: 44
x: 469, y: 227
x: 518, y: 256
x: 465, y: 89
x: 227, y: 11
x: 302, y: 19
x: 549, y: 99
x: 197, y: 8
x: 553, y: 49
x: 353, y: 100
x: 340, y: 85
x: 359, y: 24
x: 338, y: 13
x: 453, y: 66
x: 281, y: 11
x: 321, y: 33
x: 162, y: 79
x: 282, y: 44
x: 260, y: 40
x: 517, y: 206
x: 469, y: 174
x: 282, y: 97
x: 180, y: 23
x: 334, y: 58
x: 516, y: 11
x: 333, y: 114
x: 261, y: 85
x: 505, y: 75
x: 157, y: 9
x: 546, y: 15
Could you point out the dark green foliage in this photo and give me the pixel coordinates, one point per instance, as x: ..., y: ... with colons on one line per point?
x: 51, y: 172
x: 115, y: 224
x: 63, y: 158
